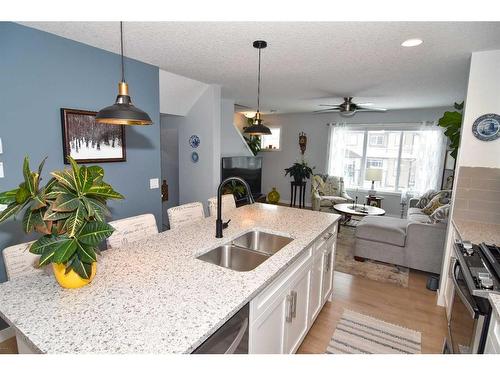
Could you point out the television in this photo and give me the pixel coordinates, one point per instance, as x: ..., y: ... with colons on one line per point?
x: 248, y: 168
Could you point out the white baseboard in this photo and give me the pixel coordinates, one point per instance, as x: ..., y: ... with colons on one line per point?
x: 7, y: 333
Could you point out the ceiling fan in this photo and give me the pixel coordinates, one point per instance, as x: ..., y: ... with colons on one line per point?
x: 348, y: 108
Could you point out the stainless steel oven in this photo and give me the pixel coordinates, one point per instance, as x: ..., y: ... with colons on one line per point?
x: 231, y: 338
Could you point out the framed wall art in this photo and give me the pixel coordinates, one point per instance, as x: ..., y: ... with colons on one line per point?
x: 86, y: 141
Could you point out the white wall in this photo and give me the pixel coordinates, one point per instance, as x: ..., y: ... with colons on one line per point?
x: 178, y: 94
x: 232, y: 141
x: 198, y: 181
x: 314, y: 125
x: 483, y: 96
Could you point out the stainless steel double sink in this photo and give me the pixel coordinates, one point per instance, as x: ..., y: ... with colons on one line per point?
x: 247, y: 251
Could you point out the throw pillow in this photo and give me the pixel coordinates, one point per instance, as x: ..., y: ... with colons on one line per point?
x: 440, y: 199
x: 441, y: 214
x: 425, y: 198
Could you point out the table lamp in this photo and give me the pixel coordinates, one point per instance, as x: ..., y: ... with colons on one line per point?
x: 373, y: 174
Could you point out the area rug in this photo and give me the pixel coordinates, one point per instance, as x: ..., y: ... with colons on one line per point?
x: 362, y: 334
x: 371, y: 269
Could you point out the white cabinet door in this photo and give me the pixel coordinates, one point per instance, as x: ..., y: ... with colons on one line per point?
x: 316, y: 292
x: 267, y: 333
x: 328, y: 263
x: 296, y: 328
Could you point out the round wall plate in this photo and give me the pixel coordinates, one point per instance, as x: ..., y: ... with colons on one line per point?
x: 194, y: 141
x: 195, y: 157
x: 487, y: 127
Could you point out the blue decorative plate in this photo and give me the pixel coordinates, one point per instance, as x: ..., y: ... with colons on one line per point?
x: 195, y: 157
x: 487, y: 127
x: 194, y: 141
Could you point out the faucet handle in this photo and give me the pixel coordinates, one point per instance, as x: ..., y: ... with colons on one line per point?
x: 226, y: 224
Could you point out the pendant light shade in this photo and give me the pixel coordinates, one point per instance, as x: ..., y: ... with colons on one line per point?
x: 123, y: 112
x: 258, y: 128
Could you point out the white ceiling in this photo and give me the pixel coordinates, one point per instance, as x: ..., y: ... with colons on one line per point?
x: 305, y: 64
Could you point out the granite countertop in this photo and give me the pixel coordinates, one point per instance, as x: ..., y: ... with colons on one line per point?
x: 155, y: 296
x: 477, y: 232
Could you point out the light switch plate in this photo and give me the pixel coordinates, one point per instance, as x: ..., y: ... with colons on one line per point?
x: 154, y: 183
x: 1, y: 170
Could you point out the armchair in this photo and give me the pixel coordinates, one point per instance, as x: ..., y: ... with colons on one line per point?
x: 327, y: 191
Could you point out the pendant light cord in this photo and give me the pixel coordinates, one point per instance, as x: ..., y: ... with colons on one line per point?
x: 258, y: 86
x: 121, y: 46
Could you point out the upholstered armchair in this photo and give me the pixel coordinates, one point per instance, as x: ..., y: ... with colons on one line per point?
x: 327, y: 191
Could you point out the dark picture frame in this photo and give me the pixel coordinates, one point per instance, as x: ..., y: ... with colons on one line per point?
x: 82, y: 135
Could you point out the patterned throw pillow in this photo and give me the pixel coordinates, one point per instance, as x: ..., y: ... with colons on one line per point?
x: 441, y: 214
x: 425, y: 198
x: 440, y: 199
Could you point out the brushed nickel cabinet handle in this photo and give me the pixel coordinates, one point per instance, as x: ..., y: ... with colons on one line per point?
x: 294, y: 304
x: 289, y: 303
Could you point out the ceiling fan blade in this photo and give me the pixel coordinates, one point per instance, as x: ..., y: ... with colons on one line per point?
x: 370, y: 109
x: 327, y: 110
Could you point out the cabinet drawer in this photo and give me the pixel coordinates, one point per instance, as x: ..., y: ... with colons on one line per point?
x: 326, y: 236
x: 260, y: 303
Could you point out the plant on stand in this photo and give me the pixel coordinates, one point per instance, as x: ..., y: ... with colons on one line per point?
x: 452, y: 122
x: 69, y: 212
x: 299, y: 171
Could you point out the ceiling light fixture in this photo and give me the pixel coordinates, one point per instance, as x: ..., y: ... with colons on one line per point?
x: 257, y: 128
x: 123, y: 112
x: 412, y: 42
x: 249, y: 114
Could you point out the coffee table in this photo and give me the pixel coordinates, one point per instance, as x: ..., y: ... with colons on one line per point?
x: 360, y: 211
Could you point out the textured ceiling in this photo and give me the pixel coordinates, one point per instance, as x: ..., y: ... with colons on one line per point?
x: 305, y: 64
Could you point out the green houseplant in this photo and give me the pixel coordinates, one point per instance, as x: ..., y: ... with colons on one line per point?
x: 452, y: 122
x: 69, y: 212
x: 299, y: 171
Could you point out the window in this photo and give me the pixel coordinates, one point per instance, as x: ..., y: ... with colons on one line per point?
x: 406, y: 157
x: 271, y: 142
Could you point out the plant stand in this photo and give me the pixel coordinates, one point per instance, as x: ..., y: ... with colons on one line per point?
x: 302, y: 193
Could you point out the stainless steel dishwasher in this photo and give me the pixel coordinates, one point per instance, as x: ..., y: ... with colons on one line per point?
x: 231, y: 338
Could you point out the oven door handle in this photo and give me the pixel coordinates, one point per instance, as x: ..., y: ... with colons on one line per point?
x: 473, y: 310
x: 239, y: 337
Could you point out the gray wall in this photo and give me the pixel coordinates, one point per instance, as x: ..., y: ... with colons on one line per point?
x: 39, y: 74
x: 314, y: 125
x: 170, y: 162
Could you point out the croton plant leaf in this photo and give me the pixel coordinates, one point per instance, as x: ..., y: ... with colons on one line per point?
x: 69, y: 211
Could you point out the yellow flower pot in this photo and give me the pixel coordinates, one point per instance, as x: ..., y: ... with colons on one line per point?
x: 71, y: 280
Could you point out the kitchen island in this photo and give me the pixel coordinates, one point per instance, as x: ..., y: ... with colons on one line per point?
x: 155, y: 296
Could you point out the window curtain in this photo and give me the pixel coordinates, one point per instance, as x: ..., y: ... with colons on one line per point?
x: 431, y: 147
x: 337, y: 141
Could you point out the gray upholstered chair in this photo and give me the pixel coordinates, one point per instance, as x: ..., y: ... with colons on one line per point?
x: 327, y: 191
x: 132, y: 229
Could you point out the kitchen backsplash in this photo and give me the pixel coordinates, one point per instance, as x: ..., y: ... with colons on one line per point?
x: 478, y: 195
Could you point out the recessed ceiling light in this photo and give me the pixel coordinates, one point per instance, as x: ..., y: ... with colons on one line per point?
x: 412, y: 42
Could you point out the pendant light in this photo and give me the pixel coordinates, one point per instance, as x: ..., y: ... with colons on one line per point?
x: 123, y: 112
x: 257, y: 128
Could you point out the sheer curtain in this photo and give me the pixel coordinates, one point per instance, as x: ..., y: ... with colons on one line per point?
x: 337, y: 142
x: 430, y: 145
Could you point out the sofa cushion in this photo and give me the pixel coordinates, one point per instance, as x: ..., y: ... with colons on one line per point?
x: 331, y: 200
x: 426, y: 198
x: 385, y: 229
x: 414, y: 210
x: 441, y: 214
x: 420, y: 218
x: 440, y: 199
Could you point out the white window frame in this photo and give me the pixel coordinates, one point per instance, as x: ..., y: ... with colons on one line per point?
x: 400, y: 127
x: 280, y: 139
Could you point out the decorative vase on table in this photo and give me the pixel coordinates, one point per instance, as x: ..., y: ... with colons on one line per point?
x: 274, y: 196
x: 69, y: 212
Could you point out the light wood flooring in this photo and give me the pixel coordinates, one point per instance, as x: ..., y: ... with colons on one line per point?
x: 413, y: 307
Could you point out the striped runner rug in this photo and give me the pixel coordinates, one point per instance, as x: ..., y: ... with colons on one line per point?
x: 361, y: 334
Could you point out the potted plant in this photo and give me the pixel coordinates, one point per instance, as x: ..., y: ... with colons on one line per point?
x: 299, y: 171
x: 452, y: 122
x: 69, y: 212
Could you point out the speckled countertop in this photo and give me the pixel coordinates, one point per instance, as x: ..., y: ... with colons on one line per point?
x: 155, y: 297
x: 477, y: 232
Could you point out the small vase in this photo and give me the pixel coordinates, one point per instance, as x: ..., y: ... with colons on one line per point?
x: 71, y: 280
x: 273, y: 197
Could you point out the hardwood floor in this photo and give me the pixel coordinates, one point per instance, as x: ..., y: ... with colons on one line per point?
x: 413, y: 307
